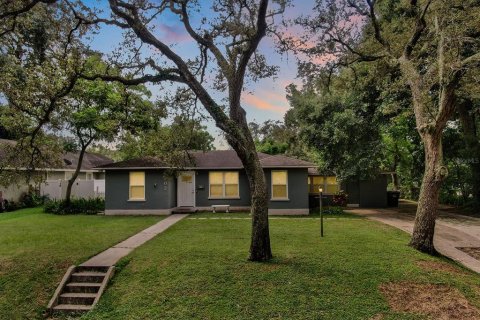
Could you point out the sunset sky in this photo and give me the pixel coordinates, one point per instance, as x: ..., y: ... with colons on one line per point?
x: 262, y: 100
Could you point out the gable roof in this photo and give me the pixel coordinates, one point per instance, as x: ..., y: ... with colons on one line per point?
x: 69, y: 160
x: 219, y: 159
x: 90, y: 160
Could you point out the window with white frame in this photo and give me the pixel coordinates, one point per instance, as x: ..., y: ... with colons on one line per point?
x: 137, y: 185
x: 279, y: 185
x: 223, y: 184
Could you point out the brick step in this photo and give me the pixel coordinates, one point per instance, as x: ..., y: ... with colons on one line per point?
x: 77, y: 298
x: 96, y: 277
x: 82, y: 287
x: 72, y: 308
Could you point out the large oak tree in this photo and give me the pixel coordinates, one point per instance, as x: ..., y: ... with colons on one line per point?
x: 434, y: 43
x: 229, y: 37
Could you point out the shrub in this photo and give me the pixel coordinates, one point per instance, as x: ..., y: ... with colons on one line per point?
x: 31, y: 199
x: 340, y: 199
x: 76, y: 206
x: 11, y: 206
x: 333, y: 210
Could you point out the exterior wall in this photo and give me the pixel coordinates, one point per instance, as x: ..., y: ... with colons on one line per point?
x: 159, y: 191
x: 202, y: 190
x: 99, y: 175
x: 297, y: 190
x: 56, y: 175
x: 161, y: 199
x: 368, y: 193
x: 60, y: 175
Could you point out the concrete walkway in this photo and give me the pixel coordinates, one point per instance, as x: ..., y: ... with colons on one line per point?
x: 452, y: 231
x: 112, y: 255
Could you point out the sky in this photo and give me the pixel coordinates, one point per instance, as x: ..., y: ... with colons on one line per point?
x: 263, y: 100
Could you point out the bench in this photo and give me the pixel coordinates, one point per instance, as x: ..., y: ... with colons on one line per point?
x: 221, y: 206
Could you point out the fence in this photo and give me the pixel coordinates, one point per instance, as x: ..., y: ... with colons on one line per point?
x: 57, y: 189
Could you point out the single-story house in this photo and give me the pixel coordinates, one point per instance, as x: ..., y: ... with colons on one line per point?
x: 90, y: 182
x: 147, y: 185
x: 47, y: 180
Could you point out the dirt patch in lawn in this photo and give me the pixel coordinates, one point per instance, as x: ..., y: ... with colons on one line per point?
x: 471, y: 251
x: 436, y: 301
x: 378, y: 316
x: 438, y: 266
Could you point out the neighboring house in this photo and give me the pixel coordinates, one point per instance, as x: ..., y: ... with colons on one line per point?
x: 90, y: 182
x: 147, y: 185
x: 50, y: 180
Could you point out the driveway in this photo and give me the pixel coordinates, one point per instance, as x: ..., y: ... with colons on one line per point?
x: 456, y: 236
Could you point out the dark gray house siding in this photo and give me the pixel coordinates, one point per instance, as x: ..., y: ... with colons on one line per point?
x: 202, y: 190
x: 367, y: 193
x: 160, y: 193
x: 297, y: 189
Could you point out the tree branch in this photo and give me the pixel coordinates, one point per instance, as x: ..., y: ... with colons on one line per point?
x: 27, y: 7
x: 260, y: 32
x: 420, y: 26
x: 206, y: 41
x: 129, y: 13
x: 376, y: 26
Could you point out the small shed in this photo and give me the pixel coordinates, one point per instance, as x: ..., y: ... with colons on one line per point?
x: 370, y: 193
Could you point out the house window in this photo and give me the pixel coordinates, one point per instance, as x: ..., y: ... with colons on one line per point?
x: 137, y: 185
x: 223, y: 184
x: 331, y: 185
x: 279, y: 185
x: 89, y: 176
x: 317, y: 182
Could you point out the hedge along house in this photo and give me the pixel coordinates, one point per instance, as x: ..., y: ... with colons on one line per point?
x: 147, y: 185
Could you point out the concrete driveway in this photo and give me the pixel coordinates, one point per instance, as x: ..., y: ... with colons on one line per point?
x: 452, y: 231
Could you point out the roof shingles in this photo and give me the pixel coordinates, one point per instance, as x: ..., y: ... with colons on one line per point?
x: 220, y: 159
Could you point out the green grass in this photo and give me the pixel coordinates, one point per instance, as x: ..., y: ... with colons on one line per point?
x: 197, y: 269
x: 37, y: 248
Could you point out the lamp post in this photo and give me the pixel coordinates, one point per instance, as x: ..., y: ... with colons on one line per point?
x: 320, y: 190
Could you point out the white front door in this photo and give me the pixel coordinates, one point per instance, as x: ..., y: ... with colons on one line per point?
x: 186, y: 189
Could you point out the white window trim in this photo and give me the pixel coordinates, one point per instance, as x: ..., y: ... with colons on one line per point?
x: 271, y: 186
x: 210, y: 197
x: 130, y: 186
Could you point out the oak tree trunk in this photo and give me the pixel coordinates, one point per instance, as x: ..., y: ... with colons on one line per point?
x: 260, y: 249
x: 435, y: 173
x: 74, y: 177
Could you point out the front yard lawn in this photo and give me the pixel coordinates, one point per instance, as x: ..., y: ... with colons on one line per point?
x: 37, y: 248
x: 197, y: 269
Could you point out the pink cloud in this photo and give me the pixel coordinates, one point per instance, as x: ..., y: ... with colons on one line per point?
x: 173, y: 33
x: 266, y: 100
